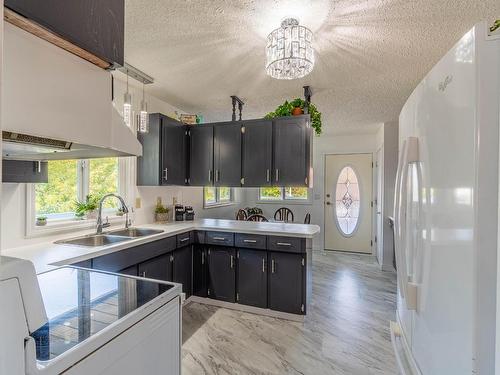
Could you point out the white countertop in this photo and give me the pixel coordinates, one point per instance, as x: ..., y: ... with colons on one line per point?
x: 48, y: 255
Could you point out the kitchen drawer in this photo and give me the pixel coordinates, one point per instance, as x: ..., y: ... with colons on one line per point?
x: 250, y: 241
x: 128, y: 257
x: 219, y: 238
x: 185, y: 239
x: 286, y: 244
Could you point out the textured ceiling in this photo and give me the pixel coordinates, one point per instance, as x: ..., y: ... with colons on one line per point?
x: 370, y: 54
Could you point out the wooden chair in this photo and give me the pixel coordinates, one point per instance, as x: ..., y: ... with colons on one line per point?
x: 283, y: 214
x: 241, y: 215
x: 307, y: 219
x: 257, y: 217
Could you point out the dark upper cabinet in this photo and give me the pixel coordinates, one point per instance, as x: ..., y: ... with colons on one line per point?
x: 227, y: 154
x: 286, y: 282
x: 257, y: 153
x: 222, y: 273
x: 163, y: 160
x: 252, y: 277
x: 182, y: 262
x: 201, y: 151
x: 173, y: 151
x: 96, y: 26
x: 200, y: 271
x: 25, y: 171
x: 292, y: 151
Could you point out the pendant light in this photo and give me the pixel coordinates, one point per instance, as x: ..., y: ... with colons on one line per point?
x: 143, y: 126
x: 127, y: 107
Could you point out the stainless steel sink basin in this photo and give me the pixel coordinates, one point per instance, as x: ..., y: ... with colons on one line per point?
x: 94, y: 240
x: 135, y: 232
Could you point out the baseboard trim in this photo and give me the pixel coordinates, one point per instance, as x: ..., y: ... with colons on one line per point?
x: 245, y: 308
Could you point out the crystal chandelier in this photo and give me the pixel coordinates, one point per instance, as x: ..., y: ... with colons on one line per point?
x: 289, y: 51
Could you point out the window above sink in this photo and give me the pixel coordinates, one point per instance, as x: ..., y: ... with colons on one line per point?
x: 70, y: 181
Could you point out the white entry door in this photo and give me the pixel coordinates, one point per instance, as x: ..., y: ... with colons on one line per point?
x: 348, y: 201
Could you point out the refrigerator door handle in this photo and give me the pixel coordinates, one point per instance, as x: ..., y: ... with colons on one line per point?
x: 409, y: 155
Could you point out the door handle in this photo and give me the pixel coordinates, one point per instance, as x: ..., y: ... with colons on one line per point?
x: 263, y: 265
x: 268, y: 175
x: 250, y: 241
x: 144, y: 274
x: 220, y: 238
x: 209, y: 175
x: 232, y: 261
x: 277, y: 174
x: 273, y: 266
x: 283, y: 244
x: 184, y: 239
x: 217, y: 175
x: 203, y: 257
x: 165, y: 174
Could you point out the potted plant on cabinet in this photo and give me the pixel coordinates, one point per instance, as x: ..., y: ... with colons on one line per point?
x: 295, y: 108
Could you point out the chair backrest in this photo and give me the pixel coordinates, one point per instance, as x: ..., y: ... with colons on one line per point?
x: 257, y: 217
x: 241, y: 215
x: 283, y: 214
x: 307, y: 219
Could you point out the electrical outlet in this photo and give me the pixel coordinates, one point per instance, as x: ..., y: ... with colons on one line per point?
x: 174, y: 201
x: 138, y: 202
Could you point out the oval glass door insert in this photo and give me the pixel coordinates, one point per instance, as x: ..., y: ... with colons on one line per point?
x: 347, y: 197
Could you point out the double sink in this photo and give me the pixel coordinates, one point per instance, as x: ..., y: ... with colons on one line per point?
x: 109, y: 238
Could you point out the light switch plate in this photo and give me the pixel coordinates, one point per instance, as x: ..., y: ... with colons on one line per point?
x: 138, y: 202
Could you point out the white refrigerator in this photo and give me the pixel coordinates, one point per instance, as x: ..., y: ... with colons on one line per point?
x: 446, y: 214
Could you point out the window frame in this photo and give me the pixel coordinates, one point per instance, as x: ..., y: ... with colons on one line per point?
x: 217, y: 202
x: 283, y: 198
x: 67, y: 222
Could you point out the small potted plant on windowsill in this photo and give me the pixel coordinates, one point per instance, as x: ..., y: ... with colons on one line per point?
x: 41, y: 221
x: 161, y: 213
x: 87, y: 209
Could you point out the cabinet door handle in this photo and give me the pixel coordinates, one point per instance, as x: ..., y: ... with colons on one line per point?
x: 184, y: 239
x: 209, y: 175
x: 283, y: 244
x: 171, y: 258
x: 220, y: 238
x: 232, y: 261
x: 277, y: 174
x: 268, y: 175
x: 165, y: 174
x: 203, y: 257
x: 217, y: 175
x: 263, y: 265
x: 273, y: 266
x: 250, y: 241
x: 144, y: 274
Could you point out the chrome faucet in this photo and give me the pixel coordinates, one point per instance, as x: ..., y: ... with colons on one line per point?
x: 100, y: 224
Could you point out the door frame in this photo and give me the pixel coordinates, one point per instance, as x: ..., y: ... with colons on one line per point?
x: 379, y: 175
x: 373, y: 196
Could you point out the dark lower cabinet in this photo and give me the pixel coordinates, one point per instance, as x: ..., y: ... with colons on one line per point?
x: 159, y: 268
x: 200, y: 271
x: 286, y: 282
x: 181, y: 268
x: 222, y: 273
x: 252, y: 277
x: 131, y: 271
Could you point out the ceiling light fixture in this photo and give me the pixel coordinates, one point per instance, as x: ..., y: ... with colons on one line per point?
x: 289, y: 51
x: 143, y: 126
x: 127, y: 107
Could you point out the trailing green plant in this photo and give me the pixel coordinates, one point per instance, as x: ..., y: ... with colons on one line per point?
x: 161, y: 209
x: 495, y: 26
x: 286, y: 109
x: 90, y: 204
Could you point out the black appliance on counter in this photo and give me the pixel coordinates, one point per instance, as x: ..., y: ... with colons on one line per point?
x: 189, y: 213
x: 179, y: 212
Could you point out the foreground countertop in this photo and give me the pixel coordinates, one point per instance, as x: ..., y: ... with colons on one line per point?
x: 48, y: 255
